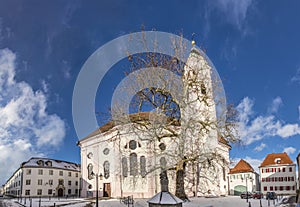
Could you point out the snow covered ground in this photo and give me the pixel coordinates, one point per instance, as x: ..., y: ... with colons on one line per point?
x: 230, y: 201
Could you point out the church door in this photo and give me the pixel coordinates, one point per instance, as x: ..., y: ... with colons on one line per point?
x: 60, y: 192
x: 106, y: 190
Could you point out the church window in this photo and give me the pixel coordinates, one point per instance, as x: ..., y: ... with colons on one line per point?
x: 106, y: 151
x: 203, y: 89
x: 106, y: 169
x: 124, y: 167
x: 132, y: 145
x: 162, y: 146
x: 89, y: 155
x: 90, y: 171
x: 143, y: 166
x: 133, y: 164
x: 163, y: 163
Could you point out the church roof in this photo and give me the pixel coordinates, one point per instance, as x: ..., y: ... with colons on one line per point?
x: 276, y: 159
x: 241, y: 167
x: 135, y: 118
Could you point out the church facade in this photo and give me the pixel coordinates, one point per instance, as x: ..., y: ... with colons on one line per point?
x: 120, y: 160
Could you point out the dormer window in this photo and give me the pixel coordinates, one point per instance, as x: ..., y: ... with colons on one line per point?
x: 49, y: 163
x: 40, y: 162
x: 277, y: 160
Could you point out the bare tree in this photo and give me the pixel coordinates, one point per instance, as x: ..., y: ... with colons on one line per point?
x: 191, y: 123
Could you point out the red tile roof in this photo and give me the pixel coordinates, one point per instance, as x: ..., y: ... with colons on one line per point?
x: 276, y: 159
x: 241, y: 167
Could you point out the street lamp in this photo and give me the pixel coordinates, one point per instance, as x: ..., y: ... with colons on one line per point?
x: 97, y: 188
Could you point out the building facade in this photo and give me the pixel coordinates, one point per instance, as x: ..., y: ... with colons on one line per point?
x: 243, y: 178
x: 44, y: 177
x: 278, y: 174
x: 128, y: 161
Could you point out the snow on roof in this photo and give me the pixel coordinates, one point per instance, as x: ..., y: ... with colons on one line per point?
x: 51, y: 163
x: 164, y: 198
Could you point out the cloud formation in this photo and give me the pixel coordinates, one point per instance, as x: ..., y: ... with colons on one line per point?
x: 260, y: 147
x: 276, y: 103
x: 289, y: 150
x: 253, y: 128
x: 234, y: 12
x: 25, y: 126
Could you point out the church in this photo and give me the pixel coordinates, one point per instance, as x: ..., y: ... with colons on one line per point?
x: 126, y: 158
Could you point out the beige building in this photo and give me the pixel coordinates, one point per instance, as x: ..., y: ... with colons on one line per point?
x: 278, y: 174
x: 128, y: 161
x: 44, y: 177
x: 243, y: 178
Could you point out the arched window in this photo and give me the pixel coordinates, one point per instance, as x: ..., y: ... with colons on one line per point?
x: 163, y: 163
x: 133, y: 164
x: 90, y: 171
x: 143, y: 166
x: 106, y: 169
x: 124, y: 167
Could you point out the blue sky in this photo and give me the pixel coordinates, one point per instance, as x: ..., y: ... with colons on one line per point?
x: 253, y: 44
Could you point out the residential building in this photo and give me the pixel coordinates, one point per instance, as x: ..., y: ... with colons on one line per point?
x: 44, y: 177
x: 243, y: 178
x: 128, y: 161
x: 298, y: 163
x: 278, y: 174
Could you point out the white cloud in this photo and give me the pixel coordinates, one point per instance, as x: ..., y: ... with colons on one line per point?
x: 296, y: 77
x: 276, y: 103
x: 252, y: 129
x: 260, y: 147
x: 26, y: 129
x: 255, y: 163
x: 289, y: 150
x: 235, y: 12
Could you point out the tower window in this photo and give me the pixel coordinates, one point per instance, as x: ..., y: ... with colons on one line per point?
x: 132, y: 144
x: 203, y: 89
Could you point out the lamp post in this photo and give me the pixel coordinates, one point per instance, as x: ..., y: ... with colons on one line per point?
x: 97, y: 186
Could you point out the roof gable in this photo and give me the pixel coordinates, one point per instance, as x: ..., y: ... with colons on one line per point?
x: 276, y: 159
x: 241, y: 167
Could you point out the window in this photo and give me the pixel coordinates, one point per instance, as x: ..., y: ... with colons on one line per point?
x: 288, y: 188
x: 265, y: 188
x: 283, y: 169
x: 40, y: 172
x: 40, y: 182
x: 292, y: 178
x: 291, y: 169
x: 273, y: 179
x: 224, y: 173
x: 106, y: 151
x: 50, y: 172
x: 285, y: 178
x: 143, y: 166
x: 60, y: 182
x: 281, y: 188
x: 263, y: 180
x: 163, y: 163
x: 27, y: 182
x: 39, y: 191
x: 203, y: 89
x: 162, y: 146
x: 69, y: 191
x: 262, y: 170
x: 278, y: 169
x: 27, y: 192
x: 124, y: 167
x: 70, y: 174
x: 133, y: 164
x: 50, y: 182
x: 49, y: 163
x: 132, y: 145
x: 40, y: 162
x: 76, y: 183
x: 106, y: 169
x: 76, y: 175
x: 69, y: 182
x: 61, y: 173
x: 276, y: 179
x: 49, y: 191
x: 275, y: 188
x: 28, y: 172
x: 76, y: 191
x: 271, y: 188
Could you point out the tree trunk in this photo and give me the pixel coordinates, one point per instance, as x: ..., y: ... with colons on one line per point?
x: 180, y: 192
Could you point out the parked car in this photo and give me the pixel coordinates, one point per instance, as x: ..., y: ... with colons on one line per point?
x: 244, y: 195
x: 271, y: 196
x: 289, y: 201
x: 257, y: 195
